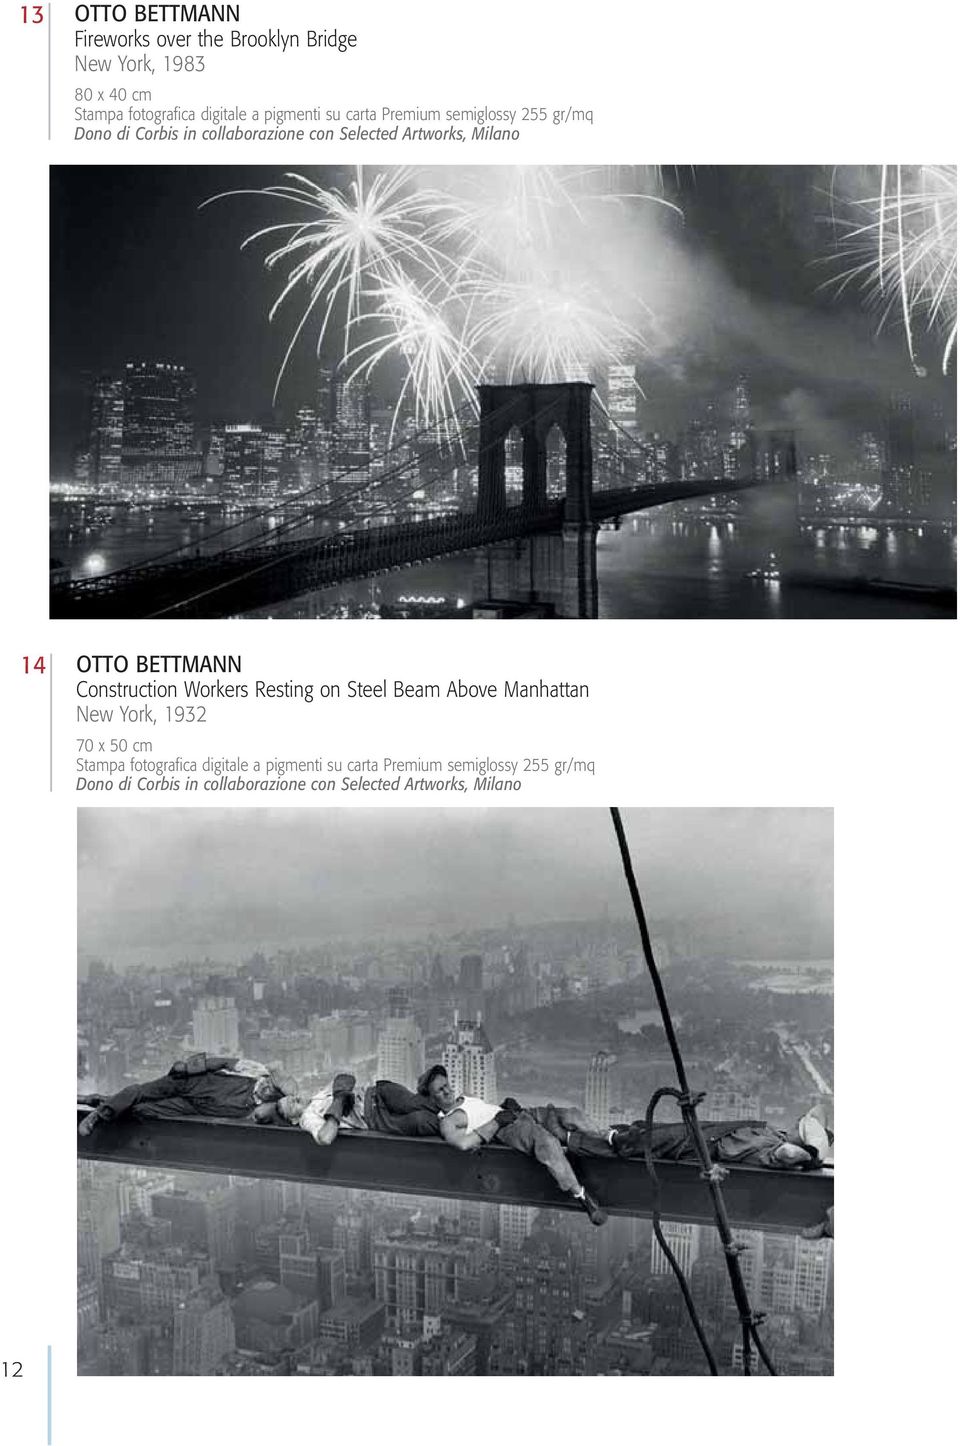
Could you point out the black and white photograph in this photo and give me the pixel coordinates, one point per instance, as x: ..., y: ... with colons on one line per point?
x: 503, y: 391
x: 455, y: 1092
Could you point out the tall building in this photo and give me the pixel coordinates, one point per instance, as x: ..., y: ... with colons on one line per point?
x: 778, y: 1280
x: 306, y: 455
x: 252, y: 463
x: 740, y: 458
x: 216, y: 1026
x: 418, y: 1275
x: 596, y: 1102
x: 352, y: 1235
x: 203, y: 1334
x: 515, y: 1223
x: 623, y: 396
x: 814, y: 1263
x: 470, y: 986
x: 202, y: 1221
x: 331, y: 1277
x: 106, y: 434
x: 545, y: 1333
x: 158, y: 417
x: 684, y: 1242
x: 469, y: 1061
x: 400, y: 1047
x: 98, y: 1223
x: 901, y: 434
x: 351, y: 430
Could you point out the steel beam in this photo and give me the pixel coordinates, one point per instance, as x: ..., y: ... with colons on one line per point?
x: 756, y: 1199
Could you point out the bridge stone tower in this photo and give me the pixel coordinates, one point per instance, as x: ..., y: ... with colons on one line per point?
x: 552, y: 569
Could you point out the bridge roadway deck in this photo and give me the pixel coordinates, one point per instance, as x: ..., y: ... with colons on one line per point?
x: 230, y: 583
x: 756, y: 1199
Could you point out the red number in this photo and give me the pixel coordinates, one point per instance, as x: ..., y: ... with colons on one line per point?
x: 32, y: 14
x: 39, y: 665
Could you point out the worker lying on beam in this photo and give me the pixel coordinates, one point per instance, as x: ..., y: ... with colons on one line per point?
x: 385, y: 1106
x: 543, y: 1131
x: 465, y: 1122
x: 731, y: 1142
x: 212, y: 1085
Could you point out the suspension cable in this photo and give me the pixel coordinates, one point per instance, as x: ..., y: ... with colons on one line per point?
x: 296, y: 497
x: 710, y: 1171
x: 308, y: 544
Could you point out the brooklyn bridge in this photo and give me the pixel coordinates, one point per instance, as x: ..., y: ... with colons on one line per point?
x: 535, y: 543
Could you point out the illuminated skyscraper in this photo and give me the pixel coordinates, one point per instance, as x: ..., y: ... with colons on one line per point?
x: 158, y: 437
x: 351, y: 435
x: 623, y: 396
x: 106, y: 433
x: 253, y: 456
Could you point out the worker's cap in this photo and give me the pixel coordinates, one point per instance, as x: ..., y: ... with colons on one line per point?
x: 427, y: 1078
x: 815, y: 1135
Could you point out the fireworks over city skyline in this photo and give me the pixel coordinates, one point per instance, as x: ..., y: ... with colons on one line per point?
x: 465, y: 277
x: 459, y: 283
x: 423, y: 282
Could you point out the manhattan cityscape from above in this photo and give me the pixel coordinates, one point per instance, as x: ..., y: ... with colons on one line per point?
x: 715, y: 315
x: 517, y: 989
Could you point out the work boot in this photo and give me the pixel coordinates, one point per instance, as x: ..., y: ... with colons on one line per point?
x: 592, y: 1207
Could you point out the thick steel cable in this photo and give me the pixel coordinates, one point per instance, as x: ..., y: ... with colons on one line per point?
x: 656, y: 1216
x: 710, y: 1172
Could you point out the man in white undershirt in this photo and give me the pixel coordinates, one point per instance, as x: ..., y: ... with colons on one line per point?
x: 467, y: 1123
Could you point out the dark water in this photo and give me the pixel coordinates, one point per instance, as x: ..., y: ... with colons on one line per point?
x: 658, y: 565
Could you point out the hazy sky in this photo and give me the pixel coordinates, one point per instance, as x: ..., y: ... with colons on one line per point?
x: 163, y: 884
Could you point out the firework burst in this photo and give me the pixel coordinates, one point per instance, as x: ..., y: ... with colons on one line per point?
x: 513, y: 216
x: 411, y: 323
x: 904, y: 254
x: 547, y: 329
x: 365, y: 236
x: 456, y: 279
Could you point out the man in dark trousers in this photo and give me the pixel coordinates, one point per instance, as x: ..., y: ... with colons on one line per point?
x: 385, y: 1106
x: 211, y: 1085
x: 730, y: 1142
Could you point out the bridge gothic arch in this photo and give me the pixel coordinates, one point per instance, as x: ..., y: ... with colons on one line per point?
x: 535, y: 410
